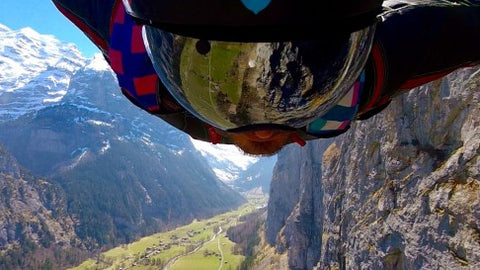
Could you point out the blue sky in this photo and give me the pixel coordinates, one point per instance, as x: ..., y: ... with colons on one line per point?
x: 43, y: 17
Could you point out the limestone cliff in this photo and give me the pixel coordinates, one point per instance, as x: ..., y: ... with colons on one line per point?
x: 398, y: 191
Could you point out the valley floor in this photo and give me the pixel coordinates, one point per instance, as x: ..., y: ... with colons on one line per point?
x: 203, y: 244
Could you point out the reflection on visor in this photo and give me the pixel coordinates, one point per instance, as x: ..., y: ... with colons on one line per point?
x: 233, y: 84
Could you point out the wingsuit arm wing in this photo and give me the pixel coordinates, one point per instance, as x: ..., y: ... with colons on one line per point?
x: 93, y: 17
x: 419, y: 41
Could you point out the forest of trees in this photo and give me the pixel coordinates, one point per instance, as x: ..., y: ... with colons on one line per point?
x: 246, y: 236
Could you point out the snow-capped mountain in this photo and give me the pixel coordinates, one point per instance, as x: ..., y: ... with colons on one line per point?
x: 124, y: 172
x: 38, y: 71
x: 35, y: 71
x: 244, y: 173
x: 226, y: 160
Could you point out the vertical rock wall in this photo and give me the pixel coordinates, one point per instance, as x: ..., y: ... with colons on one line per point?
x: 295, y: 209
x: 398, y: 191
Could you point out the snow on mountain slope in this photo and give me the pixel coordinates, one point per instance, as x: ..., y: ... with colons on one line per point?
x: 35, y: 70
x: 38, y: 71
x: 97, y: 63
x: 226, y: 160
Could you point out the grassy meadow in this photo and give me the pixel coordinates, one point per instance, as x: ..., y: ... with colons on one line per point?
x: 202, y: 244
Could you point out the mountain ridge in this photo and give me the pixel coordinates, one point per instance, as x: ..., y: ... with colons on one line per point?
x: 114, y: 172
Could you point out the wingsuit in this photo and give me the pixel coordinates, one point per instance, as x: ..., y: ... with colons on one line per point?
x: 416, y: 41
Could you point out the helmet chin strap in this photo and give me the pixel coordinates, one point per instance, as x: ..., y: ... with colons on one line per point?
x: 214, y: 137
x: 295, y: 138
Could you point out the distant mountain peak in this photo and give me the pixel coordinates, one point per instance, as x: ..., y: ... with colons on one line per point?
x: 242, y: 172
x: 35, y: 70
x: 97, y: 63
x: 226, y: 160
x: 28, y: 31
x: 4, y: 28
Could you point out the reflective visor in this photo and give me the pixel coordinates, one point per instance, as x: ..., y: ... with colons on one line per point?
x: 231, y: 85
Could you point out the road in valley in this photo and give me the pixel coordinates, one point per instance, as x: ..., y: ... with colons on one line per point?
x: 221, y: 251
x: 174, y: 259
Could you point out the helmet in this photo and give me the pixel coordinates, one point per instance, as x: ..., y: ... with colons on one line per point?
x: 240, y: 63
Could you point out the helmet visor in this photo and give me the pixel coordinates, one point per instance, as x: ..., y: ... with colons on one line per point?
x: 233, y: 84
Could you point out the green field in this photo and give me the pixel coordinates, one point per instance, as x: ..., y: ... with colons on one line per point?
x: 208, y: 257
x: 193, y: 244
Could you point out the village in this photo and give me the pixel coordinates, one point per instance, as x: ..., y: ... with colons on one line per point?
x: 191, y: 241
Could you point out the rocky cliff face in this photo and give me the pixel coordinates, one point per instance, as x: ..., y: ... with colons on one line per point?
x: 398, y: 191
x: 35, y: 230
x: 295, y: 209
x: 26, y: 207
